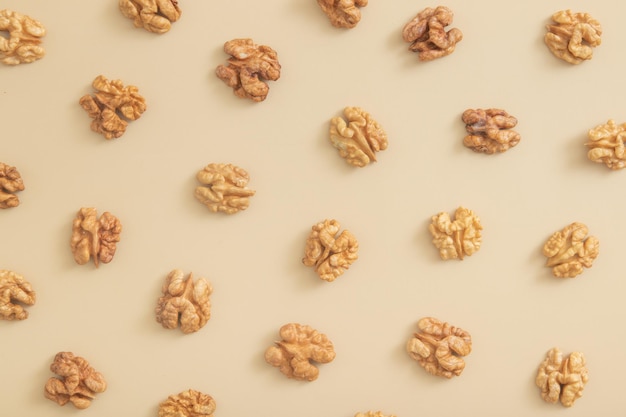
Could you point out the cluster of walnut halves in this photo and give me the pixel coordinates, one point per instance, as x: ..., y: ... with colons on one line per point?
x: 427, y: 34
x: 456, y: 238
x: 573, y: 36
x: 570, y: 249
x: 190, y: 403
x: 10, y: 183
x: 223, y: 188
x: 155, y: 16
x: 15, y: 291
x: 562, y: 379
x: 23, y: 43
x: 329, y: 251
x: 606, y: 145
x: 77, y: 381
x: 343, y: 13
x: 489, y: 130
x: 359, y: 139
x: 94, y: 237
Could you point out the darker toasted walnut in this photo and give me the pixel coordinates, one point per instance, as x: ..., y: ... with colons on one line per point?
x: 427, y: 35
x: 77, y: 381
x: 489, y: 131
x: 343, y: 13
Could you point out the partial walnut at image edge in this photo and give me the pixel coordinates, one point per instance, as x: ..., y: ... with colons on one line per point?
x: 427, y: 35
x: 94, y: 237
x: 359, y: 139
x: 373, y: 414
x: 223, y: 188
x: 155, y: 16
x: 489, y: 130
x: 570, y: 250
x: 457, y: 237
x: 606, y: 145
x: 15, y: 293
x: 343, y: 13
x: 22, y: 46
x: 329, y: 251
x: 10, y: 184
x: 76, y: 382
x: 572, y: 36
x: 190, y: 403
x: 562, y: 379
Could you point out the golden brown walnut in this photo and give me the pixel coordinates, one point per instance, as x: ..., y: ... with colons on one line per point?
x: 112, y: 106
x: 248, y: 68
x: 22, y: 46
x: 77, y: 381
x: 343, y: 13
x: 300, y: 345
x: 223, y: 188
x: 190, y: 403
x: 489, y: 130
x: 427, y: 35
x: 606, y: 143
x: 456, y: 238
x: 570, y: 249
x: 155, y: 16
x: 14, y: 291
x: 359, y: 139
x: 562, y: 379
x: 573, y: 36
x: 94, y: 237
x: 440, y: 347
x: 373, y: 414
x: 10, y: 183
x: 185, y: 302
x: 329, y: 251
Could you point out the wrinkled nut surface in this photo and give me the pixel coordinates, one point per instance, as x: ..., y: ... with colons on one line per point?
x: 606, y: 143
x: 359, y: 138
x: 343, y: 13
x: 427, y: 35
x: 23, y: 43
x: 223, y: 188
x: 184, y: 302
x: 15, y: 292
x: 456, y: 238
x: 489, y: 130
x: 300, y: 345
x: 190, y: 403
x: 329, y: 251
x: 373, y: 414
x: 77, y: 381
x: 573, y: 36
x: 570, y: 249
x: 155, y: 16
x: 248, y: 68
x: 94, y: 237
x: 112, y: 106
x: 562, y: 379
x: 10, y: 183
x: 440, y: 347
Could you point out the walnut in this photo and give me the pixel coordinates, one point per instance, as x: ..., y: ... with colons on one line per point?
x: 570, y: 249
x: 440, y: 347
x: 155, y: 16
x: 373, y: 414
x: 184, y: 301
x: 427, y: 35
x: 248, y: 67
x: 607, y: 145
x: 223, y: 188
x: 22, y: 46
x: 458, y: 238
x: 14, y: 289
x: 328, y: 251
x: 562, y: 379
x: 573, y: 36
x: 190, y: 403
x: 77, y: 383
x: 343, y: 13
x: 112, y: 106
x: 489, y: 130
x: 10, y: 183
x: 359, y: 139
x: 300, y: 345
x: 94, y: 237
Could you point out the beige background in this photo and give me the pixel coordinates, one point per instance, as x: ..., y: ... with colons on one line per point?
x: 503, y: 295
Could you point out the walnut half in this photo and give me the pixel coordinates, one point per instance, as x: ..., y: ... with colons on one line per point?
x: 359, y: 139
x: 573, y: 36
x: 77, y: 381
x: 22, y: 46
x: 155, y: 16
x: 606, y: 145
x: 223, y: 188
x: 427, y: 34
x: 562, y: 379
x: 343, y: 13
x: 329, y: 251
x: 190, y: 403
x: 15, y: 291
x: 373, y: 414
x: 489, y: 131
x: 10, y: 183
x: 570, y: 249
x: 456, y: 238
x: 94, y: 237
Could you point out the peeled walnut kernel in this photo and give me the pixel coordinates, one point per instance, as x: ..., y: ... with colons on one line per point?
x: 190, y: 403
x: 155, y: 16
x: 300, y: 346
x: 570, y: 249
x: 606, y: 143
x: 359, y: 139
x: 439, y: 347
x: 373, y: 414
x: 223, y: 188
x: 456, y: 238
x: 562, y: 379
x: 248, y: 68
x: 185, y: 302
x: 573, y: 36
x: 489, y: 130
x: 22, y: 46
x: 329, y: 251
x: 343, y: 13
x: 10, y: 183
x: 15, y: 291
x: 94, y: 237
x: 77, y: 381
x: 427, y: 35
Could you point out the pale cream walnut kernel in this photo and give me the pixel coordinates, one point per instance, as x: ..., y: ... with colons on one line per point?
x: 373, y: 414
x: 155, y: 16
x: 456, y: 238
x: 15, y: 292
x: 329, y: 251
x: 489, y: 130
x: 190, y: 403
x: 570, y: 250
x: 223, y: 188
x: 562, y: 378
x: 22, y: 46
x: 10, y: 183
x: 77, y: 381
x: 343, y: 13
x: 440, y: 347
x: 300, y: 345
x: 573, y: 36
x: 94, y: 237
x: 606, y: 143
x: 359, y: 138
x: 248, y: 68
x: 184, y: 302
x: 427, y: 34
